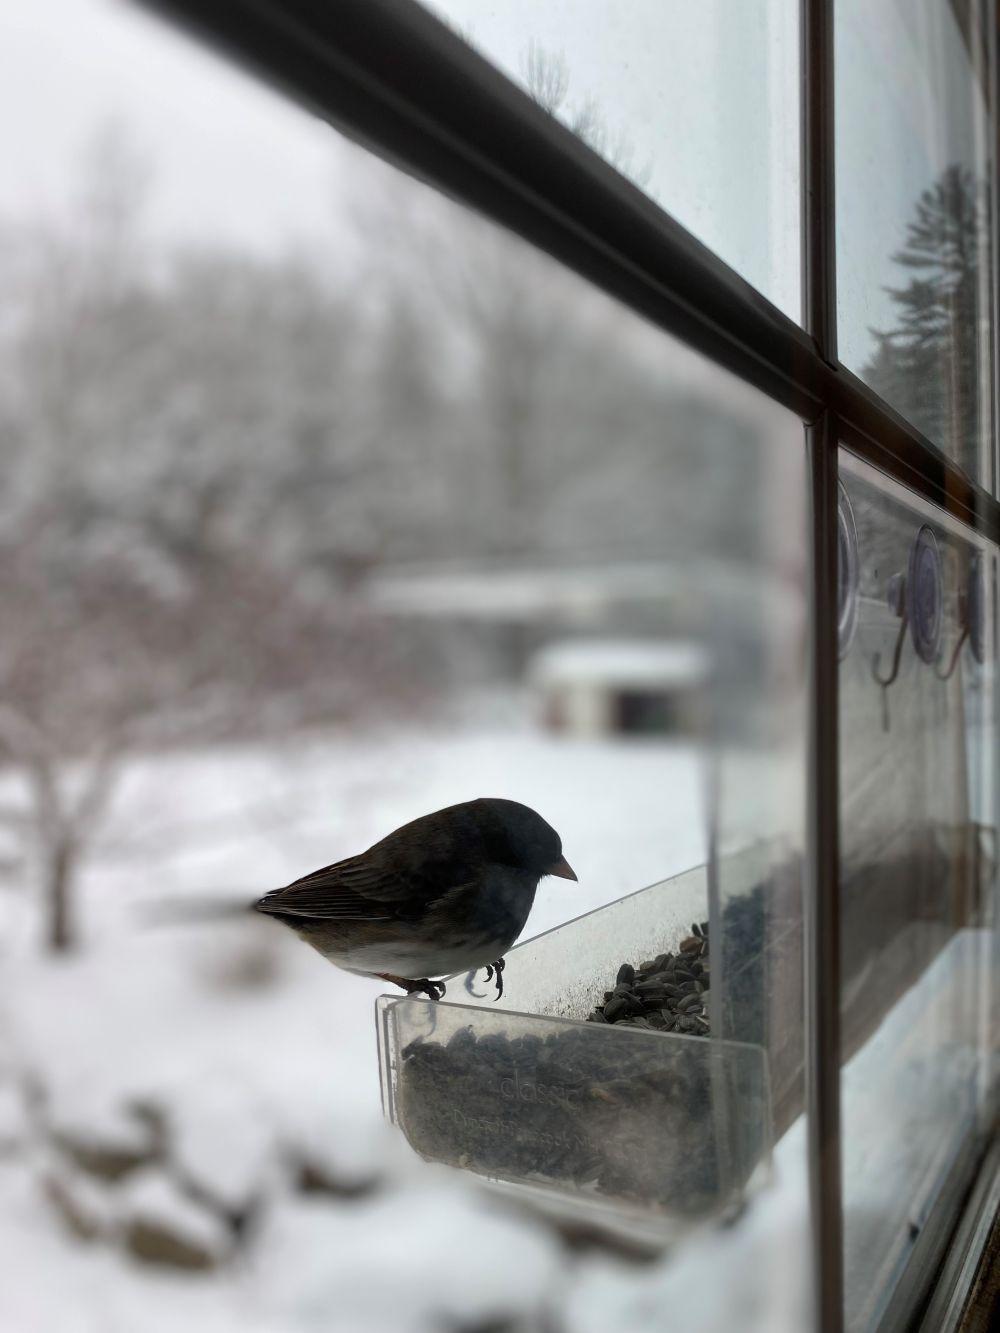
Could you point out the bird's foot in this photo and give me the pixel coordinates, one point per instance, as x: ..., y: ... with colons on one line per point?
x: 496, y: 968
x: 434, y: 990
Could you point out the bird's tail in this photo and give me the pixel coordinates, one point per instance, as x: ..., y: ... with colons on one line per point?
x: 191, y: 910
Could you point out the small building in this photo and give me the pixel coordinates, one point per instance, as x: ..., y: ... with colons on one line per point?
x: 594, y: 687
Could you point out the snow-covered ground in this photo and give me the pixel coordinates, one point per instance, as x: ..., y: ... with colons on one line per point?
x: 232, y: 1062
x: 217, y: 1084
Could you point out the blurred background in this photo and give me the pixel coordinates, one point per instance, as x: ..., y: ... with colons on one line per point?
x: 324, y: 504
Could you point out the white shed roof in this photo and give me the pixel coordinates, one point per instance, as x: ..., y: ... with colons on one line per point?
x: 628, y: 663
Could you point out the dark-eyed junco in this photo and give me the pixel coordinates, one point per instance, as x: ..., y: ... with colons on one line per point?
x: 449, y: 892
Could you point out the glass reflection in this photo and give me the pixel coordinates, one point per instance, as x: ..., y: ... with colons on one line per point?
x: 913, y: 215
x: 696, y: 104
x: 918, y: 913
x: 306, y: 535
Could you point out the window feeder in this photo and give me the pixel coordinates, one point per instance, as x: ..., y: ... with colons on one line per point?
x: 633, y: 1126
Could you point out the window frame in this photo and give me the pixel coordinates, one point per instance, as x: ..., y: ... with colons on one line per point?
x: 398, y: 80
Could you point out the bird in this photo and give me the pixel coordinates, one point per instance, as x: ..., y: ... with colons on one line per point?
x: 448, y: 892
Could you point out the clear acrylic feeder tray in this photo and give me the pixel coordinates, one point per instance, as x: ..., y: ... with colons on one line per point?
x: 526, y: 1093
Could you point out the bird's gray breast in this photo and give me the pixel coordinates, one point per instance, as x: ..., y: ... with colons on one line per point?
x: 467, y: 927
x: 495, y: 906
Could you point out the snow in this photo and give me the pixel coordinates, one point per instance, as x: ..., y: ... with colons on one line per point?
x: 621, y: 662
x: 89, y: 1117
x: 263, y: 1069
x: 13, y: 1119
x: 727, y: 1279
x: 581, y: 594
x: 532, y: 594
x: 904, y: 1111
x: 629, y: 813
x: 55, y: 1285
x: 223, y: 1139
x: 90, y: 1205
x: 260, y: 1071
x: 429, y: 1257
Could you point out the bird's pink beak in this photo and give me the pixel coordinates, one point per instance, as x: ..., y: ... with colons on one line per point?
x: 563, y: 869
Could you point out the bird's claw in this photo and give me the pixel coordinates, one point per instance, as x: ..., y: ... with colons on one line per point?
x: 497, y: 968
x: 434, y: 990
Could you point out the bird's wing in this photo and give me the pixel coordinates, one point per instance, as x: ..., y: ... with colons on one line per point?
x: 357, y: 890
x: 350, y: 890
x: 396, y: 880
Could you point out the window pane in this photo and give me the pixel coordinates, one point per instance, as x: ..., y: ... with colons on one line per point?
x: 696, y: 103
x: 918, y: 907
x: 325, y: 504
x: 913, y: 248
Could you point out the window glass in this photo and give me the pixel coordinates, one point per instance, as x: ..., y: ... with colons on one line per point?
x: 696, y: 104
x: 918, y: 906
x: 326, y: 504
x: 913, y: 211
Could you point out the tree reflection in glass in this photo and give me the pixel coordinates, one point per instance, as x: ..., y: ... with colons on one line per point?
x: 929, y: 366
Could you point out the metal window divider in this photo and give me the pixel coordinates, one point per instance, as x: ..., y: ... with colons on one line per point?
x: 822, y: 887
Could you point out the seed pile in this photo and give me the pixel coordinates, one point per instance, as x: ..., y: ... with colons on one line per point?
x: 624, y: 1118
x: 667, y: 994
x: 570, y: 1107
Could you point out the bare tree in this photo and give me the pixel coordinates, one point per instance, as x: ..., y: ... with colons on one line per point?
x: 205, y: 453
x: 547, y: 80
x: 183, y: 489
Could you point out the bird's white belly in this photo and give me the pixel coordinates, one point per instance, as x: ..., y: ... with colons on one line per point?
x: 408, y: 959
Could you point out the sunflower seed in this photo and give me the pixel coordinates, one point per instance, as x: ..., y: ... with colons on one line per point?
x: 648, y: 987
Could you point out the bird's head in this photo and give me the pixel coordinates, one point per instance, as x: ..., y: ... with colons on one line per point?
x: 525, y: 840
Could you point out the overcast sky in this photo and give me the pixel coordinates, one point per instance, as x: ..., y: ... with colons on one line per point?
x: 705, y: 94
x: 233, y: 160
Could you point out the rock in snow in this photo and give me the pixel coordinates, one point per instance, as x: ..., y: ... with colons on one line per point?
x: 100, y: 1134
x: 161, y: 1224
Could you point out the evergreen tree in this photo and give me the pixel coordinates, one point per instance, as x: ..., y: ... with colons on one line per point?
x: 928, y: 365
